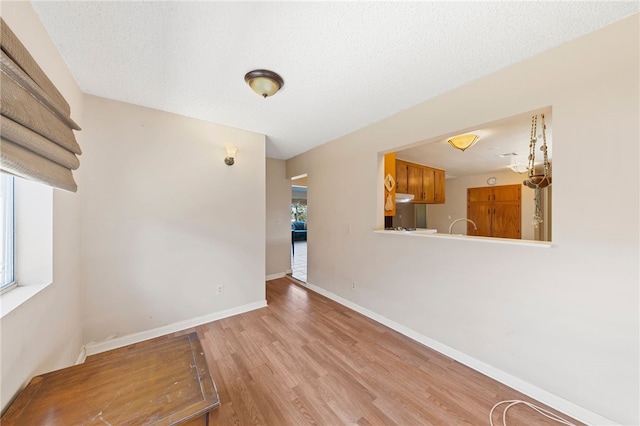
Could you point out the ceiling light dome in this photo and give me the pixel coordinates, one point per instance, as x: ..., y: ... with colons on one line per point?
x: 264, y: 82
x: 463, y: 142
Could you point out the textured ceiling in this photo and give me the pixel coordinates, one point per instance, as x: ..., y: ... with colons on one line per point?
x: 345, y: 64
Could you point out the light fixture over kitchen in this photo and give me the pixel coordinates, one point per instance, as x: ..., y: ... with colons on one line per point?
x: 518, y: 165
x: 264, y: 82
x: 463, y: 142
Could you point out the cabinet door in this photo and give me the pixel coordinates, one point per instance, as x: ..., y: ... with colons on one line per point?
x: 480, y: 213
x: 439, y: 184
x: 479, y: 195
x: 428, y: 185
x: 401, y: 177
x: 506, y: 193
x: 506, y: 219
x: 415, y: 182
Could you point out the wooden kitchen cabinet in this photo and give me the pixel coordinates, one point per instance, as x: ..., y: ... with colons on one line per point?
x: 496, y: 210
x: 402, y: 179
x: 438, y: 185
x: 414, y: 174
x: 480, y: 214
x: 425, y: 183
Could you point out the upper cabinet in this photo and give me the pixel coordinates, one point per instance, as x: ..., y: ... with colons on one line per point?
x: 425, y: 183
x: 402, y: 179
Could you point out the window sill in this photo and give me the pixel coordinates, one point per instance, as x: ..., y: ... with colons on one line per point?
x: 12, y: 299
x: 421, y: 234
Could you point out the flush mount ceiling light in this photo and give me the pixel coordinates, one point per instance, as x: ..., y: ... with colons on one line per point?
x: 518, y: 165
x: 264, y: 82
x: 463, y: 142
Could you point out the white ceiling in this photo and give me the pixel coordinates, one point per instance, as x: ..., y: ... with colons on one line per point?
x: 345, y: 64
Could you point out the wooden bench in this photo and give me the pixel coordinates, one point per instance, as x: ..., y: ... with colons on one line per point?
x: 164, y: 381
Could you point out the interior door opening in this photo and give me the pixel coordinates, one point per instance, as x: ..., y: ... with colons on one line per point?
x: 299, y: 228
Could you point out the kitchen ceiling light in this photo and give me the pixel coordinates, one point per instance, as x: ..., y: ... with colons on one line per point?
x: 264, y: 82
x: 517, y: 165
x: 463, y: 142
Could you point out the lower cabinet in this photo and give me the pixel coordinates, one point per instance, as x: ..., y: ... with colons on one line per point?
x: 496, y: 211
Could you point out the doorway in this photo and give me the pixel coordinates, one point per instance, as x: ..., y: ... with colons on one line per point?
x: 299, y: 228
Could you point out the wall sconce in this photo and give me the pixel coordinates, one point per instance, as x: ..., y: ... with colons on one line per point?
x: 463, y: 142
x: 229, y: 160
x: 264, y: 82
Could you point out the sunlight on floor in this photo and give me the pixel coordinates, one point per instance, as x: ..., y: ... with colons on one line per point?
x: 299, y: 261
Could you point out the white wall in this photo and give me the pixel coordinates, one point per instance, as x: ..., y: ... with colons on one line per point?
x: 165, y: 220
x: 571, y: 326
x: 44, y: 333
x: 278, y: 222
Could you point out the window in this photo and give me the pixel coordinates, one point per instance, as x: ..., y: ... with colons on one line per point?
x: 6, y: 222
x: 299, y: 211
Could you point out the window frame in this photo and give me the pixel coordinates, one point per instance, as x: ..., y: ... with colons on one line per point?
x: 7, y: 182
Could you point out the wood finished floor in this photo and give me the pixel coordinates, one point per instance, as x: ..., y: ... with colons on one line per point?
x: 305, y: 359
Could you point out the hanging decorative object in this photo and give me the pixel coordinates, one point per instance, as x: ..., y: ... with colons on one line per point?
x: 388, y: 205
x: 535, y: 180
x: 389, y: 182
x: 538, y: 180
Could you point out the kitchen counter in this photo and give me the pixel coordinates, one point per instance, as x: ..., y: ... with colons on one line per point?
x: 433, y: 233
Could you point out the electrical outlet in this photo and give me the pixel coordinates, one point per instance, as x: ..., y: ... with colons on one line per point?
x: 220, y: 289
x: 353, y: 285
x: 348, y: 229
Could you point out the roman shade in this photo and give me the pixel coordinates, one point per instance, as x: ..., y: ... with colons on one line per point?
x: 37, y: 140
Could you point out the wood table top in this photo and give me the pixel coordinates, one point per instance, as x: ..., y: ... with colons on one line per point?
x: 162, y: 381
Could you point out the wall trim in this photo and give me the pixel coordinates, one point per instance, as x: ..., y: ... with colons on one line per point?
x: 93, y: 348
x: 82, y: 357
x: 545, y: 397
x: 275, y: 276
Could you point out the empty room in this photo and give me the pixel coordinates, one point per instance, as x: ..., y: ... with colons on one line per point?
x: 167, y: 167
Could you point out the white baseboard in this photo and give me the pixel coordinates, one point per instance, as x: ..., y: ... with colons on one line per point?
x: 82, y: 357
x: 551, y: 400
x: 276, y: 276
x: 93, y: 348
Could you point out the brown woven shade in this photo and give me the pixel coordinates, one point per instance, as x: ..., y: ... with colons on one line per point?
x: 37, y: 140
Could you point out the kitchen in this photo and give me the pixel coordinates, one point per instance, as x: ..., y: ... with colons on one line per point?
x: 476, y: 191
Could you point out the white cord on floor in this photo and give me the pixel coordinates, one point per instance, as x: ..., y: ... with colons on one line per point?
x: 540, y: 410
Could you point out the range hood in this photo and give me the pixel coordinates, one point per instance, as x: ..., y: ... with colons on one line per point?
x: 403, y: 198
